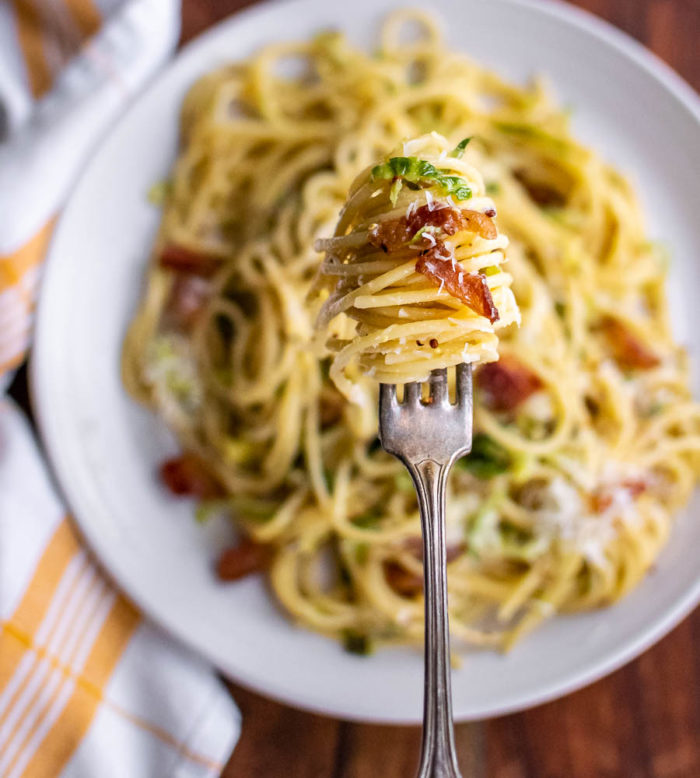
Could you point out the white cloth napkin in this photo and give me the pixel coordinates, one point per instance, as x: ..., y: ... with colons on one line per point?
x: 87, y: 686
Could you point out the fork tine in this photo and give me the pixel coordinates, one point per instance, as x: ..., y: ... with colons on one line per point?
x: 438, y: 386
x: 411, y: 393
x: 464, y: 384
x: 387, y: 396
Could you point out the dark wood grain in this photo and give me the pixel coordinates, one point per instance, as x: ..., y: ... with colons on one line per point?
x: 281, y: 741
x: 641, y: 722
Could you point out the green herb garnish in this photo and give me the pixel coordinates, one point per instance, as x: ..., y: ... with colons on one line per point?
x: 517, y: 543
x: 253, y: 509
x: 368, y: 520
x: 533, y: 133
x: 458, y: 150
x: 329, y: 478
x: 487, y: 458
x: 356, y: 642
x: 396, y: 185
x: 426, y: 228
x: 419, y: 172
x: 361, y: 553
x: 206, y: 510
x: 159, y: 192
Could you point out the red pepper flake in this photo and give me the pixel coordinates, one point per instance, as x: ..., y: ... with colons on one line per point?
x: 470, y: 288
x: 506, y: 383
x: 188, y: 475
x: 243, y: 559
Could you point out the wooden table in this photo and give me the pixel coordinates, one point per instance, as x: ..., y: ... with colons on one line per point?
x: 641, y: 722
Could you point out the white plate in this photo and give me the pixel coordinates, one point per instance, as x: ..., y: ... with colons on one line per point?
x: 105, y: 449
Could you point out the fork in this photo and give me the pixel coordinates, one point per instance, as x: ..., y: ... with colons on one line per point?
x: 428, y: 437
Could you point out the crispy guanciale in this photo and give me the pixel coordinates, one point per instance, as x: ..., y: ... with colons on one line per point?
x: 627, y: 350
x: 470, y: 288
x: 406, y: 582
x: 391, y: 235
x: 245, y: 558
x: 184, y: 260
x: 506, y: 384
x: 188, y: 475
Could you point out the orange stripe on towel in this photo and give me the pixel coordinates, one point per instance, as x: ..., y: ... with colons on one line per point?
x: 13, y: 266
x: 86, y: 16
x: 53, y: 752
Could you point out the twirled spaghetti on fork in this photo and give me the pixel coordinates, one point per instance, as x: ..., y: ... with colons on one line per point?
x: 416, y: 264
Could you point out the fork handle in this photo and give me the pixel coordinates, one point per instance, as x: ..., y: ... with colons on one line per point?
x: 438, y: 756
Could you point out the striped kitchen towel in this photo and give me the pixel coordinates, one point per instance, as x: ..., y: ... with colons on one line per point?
x: 64, y: 77
x: 88, y: 688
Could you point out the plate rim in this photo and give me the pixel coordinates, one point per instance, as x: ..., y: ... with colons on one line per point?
x: 41, y: 393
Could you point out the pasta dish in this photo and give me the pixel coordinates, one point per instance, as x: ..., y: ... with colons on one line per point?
x: 587, y: 438
x: 415, y: 262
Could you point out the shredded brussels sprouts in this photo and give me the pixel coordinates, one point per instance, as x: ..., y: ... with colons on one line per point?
x: 421, y: 173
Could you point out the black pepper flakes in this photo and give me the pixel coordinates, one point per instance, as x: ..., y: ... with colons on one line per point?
x: 434, y: 343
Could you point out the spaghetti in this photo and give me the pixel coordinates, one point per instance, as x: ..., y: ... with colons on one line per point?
x: 587, y: 439
x: 416, y: 262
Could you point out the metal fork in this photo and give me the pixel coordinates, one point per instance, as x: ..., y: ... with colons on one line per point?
x: 428, y: 437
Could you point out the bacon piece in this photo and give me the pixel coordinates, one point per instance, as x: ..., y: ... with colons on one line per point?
x: 188, y: 475
x: 185, y: 260
x: 602, y: 500
x: 391, y: 235
x: 407, y: 583
x: 470, y: 288
x: 480, y: 223
x: 402, y: 581
x: 243, y: 559
x: 506, y: 383
x: 188, y: 297
x: 627, y: 350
